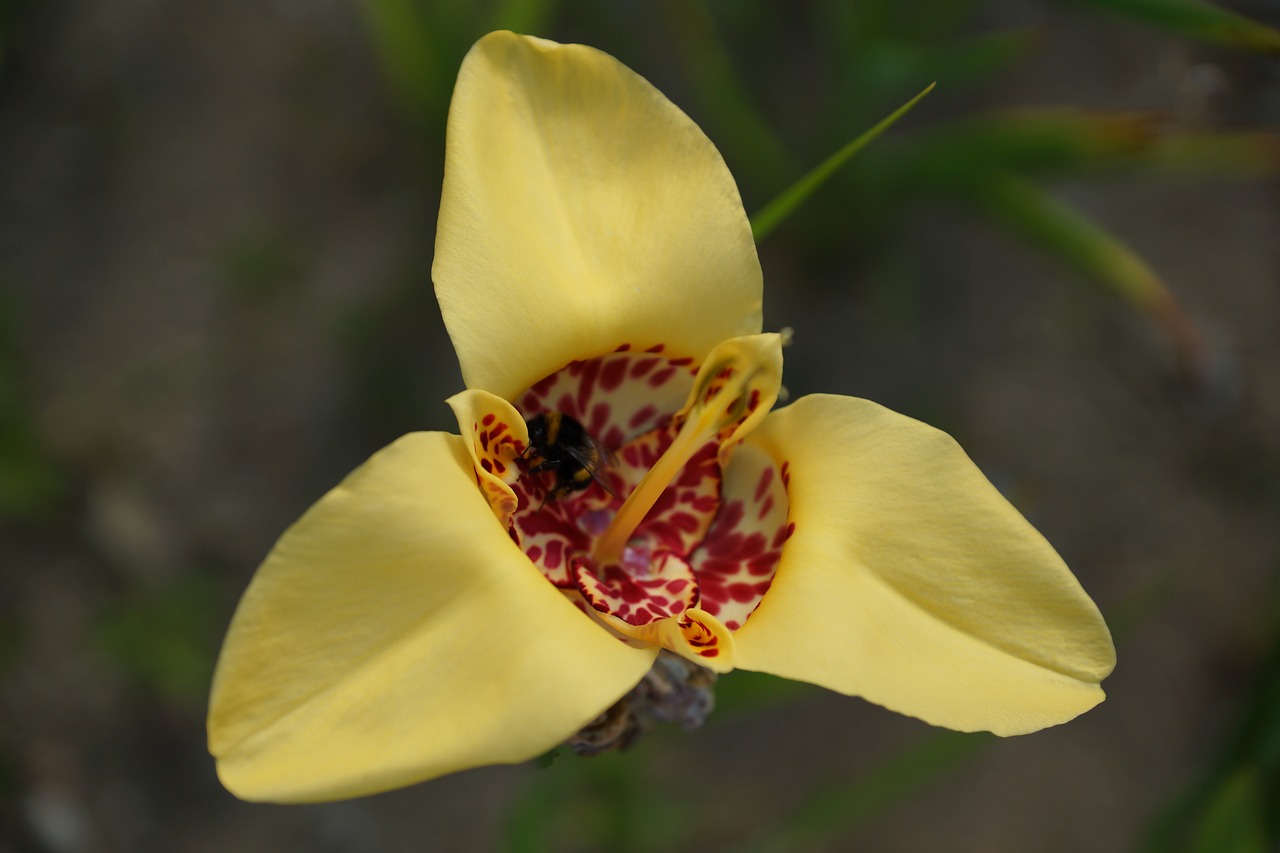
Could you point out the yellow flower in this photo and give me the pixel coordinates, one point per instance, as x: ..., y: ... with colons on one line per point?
x: 468, y: 600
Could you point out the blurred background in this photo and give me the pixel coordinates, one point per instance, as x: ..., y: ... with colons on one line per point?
x: 216, y: 229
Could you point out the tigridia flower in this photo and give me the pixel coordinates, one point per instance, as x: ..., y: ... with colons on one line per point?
x: 472, y: 599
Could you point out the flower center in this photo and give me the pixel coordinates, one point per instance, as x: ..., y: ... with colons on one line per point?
x: 664, y: 536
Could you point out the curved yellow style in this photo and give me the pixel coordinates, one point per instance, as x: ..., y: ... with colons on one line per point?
x: 395, y: 633
x: 910, y: 581
x: 581, y: 210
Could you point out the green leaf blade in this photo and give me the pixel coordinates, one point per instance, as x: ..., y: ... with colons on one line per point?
x: 776, y: 211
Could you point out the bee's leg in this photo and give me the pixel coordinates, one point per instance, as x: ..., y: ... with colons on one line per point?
x: 555, y: 493
x: 544, y: 465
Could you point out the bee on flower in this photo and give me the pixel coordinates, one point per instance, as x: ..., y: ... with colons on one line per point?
x: 561, y: 444
x: 623, y: 514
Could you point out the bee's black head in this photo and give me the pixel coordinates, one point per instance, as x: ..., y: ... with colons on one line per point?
x: 537, y: 430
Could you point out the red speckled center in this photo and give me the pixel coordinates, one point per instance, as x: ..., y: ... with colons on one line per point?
x: 696, y: 547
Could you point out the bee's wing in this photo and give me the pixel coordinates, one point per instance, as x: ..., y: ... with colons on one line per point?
x: 610, y: 458
x: 604, y: 458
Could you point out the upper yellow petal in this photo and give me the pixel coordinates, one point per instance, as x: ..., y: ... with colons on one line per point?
x: 396, y: 633
x: 910, y: 581
x: 581, y: 210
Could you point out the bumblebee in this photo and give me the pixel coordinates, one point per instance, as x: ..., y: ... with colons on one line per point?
x: 559, y: 443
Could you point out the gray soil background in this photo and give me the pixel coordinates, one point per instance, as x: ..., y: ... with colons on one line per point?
x: 215, y: 241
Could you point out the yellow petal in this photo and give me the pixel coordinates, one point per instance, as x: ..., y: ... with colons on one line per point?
x: 495, y: 435
x: 911, y: 582
x: 696, y: 636
x: 581, y: 211
x: 395, y: 633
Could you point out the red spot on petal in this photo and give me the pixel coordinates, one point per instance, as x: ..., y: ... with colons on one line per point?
x: 643, y: 416
x: 754, y: 544
x: 716, y: 565
x: 642, y: 366
x: 599, y: 417
x: 555, y: 553
x: 732, y: 513
x: 684, y: 521
x: 541, y: 387
x: 766, y: 477
x: 586, y: 388
x: 709, y: 653
x: 711, y: 591
x: 662, y: 377
x: 613, y: 374
x: 765, y: 564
